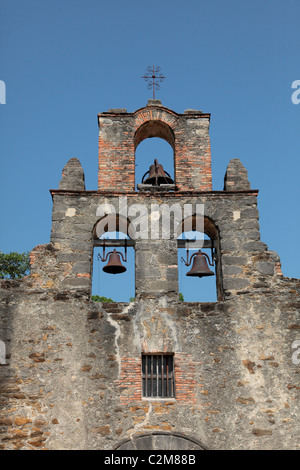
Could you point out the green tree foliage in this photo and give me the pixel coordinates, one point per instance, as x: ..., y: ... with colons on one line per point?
x: 97, y: 298
x: 181, y: 298
x: 14, y: 265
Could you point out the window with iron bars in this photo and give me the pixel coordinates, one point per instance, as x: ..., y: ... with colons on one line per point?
x: 158, y: 378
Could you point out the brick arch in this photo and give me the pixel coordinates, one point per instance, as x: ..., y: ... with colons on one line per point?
x: 154, y: 128
x: 158, y: 124
x: 159, y: 112
x: 121, y: 132
x: 155, y: 122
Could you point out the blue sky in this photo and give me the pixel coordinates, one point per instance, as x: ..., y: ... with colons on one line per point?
x: 65, y: 61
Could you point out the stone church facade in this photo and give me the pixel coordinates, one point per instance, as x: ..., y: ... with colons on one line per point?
x: 155, y: 373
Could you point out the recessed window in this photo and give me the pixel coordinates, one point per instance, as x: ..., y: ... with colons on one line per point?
x: 158, y: 376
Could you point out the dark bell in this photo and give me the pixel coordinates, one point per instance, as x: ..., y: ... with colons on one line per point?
x: 114, y: 265
x: 200, y: 267
x: 157, y: 175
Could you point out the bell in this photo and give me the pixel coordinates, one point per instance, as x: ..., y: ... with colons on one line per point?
x: 200, y: 267
x: 157, y: 175
x: 114, y: 265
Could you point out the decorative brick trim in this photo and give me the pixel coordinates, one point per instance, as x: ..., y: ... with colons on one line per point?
x: 130, y: 382
x: 185, y: 379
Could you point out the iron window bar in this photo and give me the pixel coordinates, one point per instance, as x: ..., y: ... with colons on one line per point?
x: 158, y: 378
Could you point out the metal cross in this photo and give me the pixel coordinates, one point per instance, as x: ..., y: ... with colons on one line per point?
x: 153, y: 77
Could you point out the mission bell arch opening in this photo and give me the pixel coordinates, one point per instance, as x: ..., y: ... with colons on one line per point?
x: 154, y: 140
x: 199, y: 267
x: 113, y: 276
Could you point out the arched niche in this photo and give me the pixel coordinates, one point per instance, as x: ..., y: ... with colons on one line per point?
x: 147, y: 152
x: 154, y: 140
x: 196, y: 222
x: 204, y: 225
x: 154, y: 128
x: 161, y: 441
x: 113, y: 222
x: 113, y: 231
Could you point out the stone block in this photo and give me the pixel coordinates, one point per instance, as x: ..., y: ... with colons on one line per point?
x: 172, y: 273
x: 249, y: 224
x: 80, y: 245
x: 147, y: 273
x: 254, y: 246
x: 248, y: 234
x: 232, y: 270
x: 229, y: 260
x: 57, y: 236
x: 251, y: 213
x: 58, y: 215
x: 228, y: 244
x: 81, y: 267
x: 235, y: 283
x: 73, y: 257
x: 82, y: 235
x: 76, y: 283
x: 265, y: 267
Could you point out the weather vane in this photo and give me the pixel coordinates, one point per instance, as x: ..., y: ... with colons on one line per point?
x: 153, y: 77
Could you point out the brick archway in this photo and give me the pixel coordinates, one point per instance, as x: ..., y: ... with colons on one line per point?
x: 154, y: 125
x: 121, y: 132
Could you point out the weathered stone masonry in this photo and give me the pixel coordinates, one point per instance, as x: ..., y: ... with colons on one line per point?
x: 72, y: 378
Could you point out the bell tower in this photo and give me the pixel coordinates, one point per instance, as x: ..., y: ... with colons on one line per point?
x: 155, y: 372
x: 121, y: 132
x: 154, y: 215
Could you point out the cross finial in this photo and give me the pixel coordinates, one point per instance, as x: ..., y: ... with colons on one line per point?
x: 153, y: 77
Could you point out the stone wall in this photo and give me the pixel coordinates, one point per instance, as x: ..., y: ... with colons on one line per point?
x: 73, y: 373
x: 244, y: 260
x: 71, y: 378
